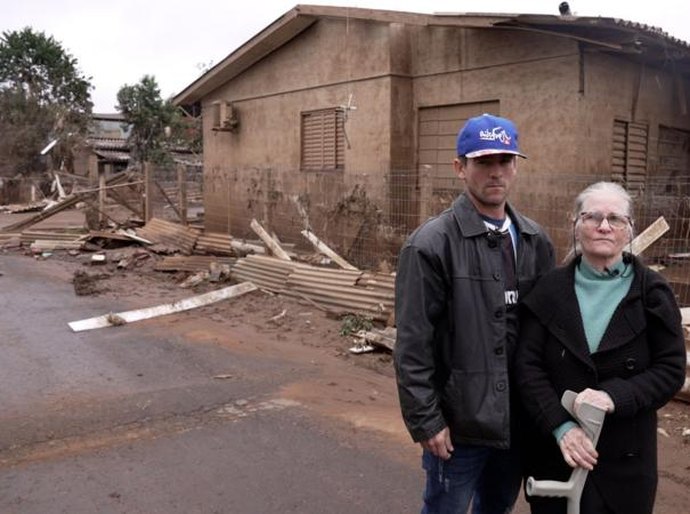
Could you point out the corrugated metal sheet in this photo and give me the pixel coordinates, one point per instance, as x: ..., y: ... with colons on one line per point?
x: 191, y: 262
x: 11, y: 235
x: 170, y: 234
x: 333, y: 288
x: 214, y: 243
x: 29, y: 236
x: 265, y: 272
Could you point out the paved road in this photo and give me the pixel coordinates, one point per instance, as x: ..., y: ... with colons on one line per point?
x: 131, y: 420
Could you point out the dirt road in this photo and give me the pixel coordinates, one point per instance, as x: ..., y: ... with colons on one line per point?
x: 196, y: 413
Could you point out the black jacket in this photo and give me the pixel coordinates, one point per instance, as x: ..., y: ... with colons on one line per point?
x: 640, y: 363
x: 452, y: 351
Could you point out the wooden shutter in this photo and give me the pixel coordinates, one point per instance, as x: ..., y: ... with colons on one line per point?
x: 629, y: 155
x: 323, y: 140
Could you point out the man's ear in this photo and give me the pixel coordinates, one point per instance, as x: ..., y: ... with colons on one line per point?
x: 459, y: 168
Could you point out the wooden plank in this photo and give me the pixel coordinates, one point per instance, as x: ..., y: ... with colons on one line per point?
x: 327, y: 251
x: 271, y: 243
x: 109, y: 320
x: 649, y: 235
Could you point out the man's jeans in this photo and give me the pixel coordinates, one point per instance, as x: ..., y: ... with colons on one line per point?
x: 487, y: 477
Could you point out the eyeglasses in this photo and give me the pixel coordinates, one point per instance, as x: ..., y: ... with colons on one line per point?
x: 594, y: 219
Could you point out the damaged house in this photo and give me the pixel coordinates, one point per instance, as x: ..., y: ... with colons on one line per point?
x: 344, y: 119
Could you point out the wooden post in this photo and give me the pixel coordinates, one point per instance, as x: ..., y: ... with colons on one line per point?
x: 91, y: 213
x: 148, y: 192
x: 182, y: 198
x: 107, y: 168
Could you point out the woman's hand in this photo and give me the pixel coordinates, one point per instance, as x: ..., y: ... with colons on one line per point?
x: 577, y: 449
x: 594, y: 397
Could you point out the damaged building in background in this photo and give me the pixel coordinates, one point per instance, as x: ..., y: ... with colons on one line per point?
x: 344, y: 119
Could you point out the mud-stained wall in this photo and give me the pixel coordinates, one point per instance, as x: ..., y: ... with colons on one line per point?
x: 564, y: 97
x: 255, y: 172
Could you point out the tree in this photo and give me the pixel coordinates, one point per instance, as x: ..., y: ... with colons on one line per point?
x: 156, y: 124
x: 43, y: 96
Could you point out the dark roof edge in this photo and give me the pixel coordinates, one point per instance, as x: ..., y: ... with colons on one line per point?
x: 301, y: 17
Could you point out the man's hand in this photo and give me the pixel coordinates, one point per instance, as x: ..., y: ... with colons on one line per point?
x: 577, y: 449
x: 599, y: 399
x: 439, y: 445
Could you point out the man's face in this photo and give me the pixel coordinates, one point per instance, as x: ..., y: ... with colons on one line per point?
x: 488, y: 180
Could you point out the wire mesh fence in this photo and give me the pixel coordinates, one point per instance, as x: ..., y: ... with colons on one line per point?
x: 366, y: 217
x: 176, y: 193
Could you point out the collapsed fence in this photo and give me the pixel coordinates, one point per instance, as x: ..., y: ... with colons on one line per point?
x: 366, y: 217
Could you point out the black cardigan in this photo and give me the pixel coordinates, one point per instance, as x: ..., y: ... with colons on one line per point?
x: 640, y: 363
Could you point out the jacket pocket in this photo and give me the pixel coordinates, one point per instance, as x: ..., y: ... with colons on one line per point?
x: 476, y: 405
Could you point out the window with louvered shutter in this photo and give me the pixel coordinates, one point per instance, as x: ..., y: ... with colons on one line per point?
x: 323, y: 140
x: 629, y: 159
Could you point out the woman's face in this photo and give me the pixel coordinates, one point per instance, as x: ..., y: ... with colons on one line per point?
x: 603, y: 228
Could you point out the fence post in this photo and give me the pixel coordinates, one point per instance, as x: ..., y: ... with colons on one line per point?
x: 425, y: 193
x: 148, y: 192
x: 182, y: 185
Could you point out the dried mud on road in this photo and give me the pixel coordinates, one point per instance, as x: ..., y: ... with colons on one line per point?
x: 357, y: 390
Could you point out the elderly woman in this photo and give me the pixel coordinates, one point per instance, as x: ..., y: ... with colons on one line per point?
x: 608, y: 328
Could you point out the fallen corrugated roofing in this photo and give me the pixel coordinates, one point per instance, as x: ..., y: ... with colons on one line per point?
x: 171, y: 234
x: 365, y: 293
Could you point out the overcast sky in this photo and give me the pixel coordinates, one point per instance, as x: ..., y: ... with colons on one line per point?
x: 116, y: 42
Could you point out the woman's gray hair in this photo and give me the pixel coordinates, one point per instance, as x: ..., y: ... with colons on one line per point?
x: 603, y: 187
x: 597, y: 188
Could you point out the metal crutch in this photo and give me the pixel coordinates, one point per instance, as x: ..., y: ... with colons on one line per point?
x: 591, y: 420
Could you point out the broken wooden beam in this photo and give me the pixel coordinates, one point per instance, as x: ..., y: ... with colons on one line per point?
x: 649, y: 235
x: 327, y: 251
x: 114, y: 319
x: 271, y: 243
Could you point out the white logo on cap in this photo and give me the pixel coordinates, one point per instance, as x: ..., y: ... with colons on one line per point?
x: 496, y: 134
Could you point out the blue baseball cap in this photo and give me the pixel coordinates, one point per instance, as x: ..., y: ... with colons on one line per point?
x: 488, y: 135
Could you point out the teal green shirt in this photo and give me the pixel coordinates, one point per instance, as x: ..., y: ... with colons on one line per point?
x: 598, y: 294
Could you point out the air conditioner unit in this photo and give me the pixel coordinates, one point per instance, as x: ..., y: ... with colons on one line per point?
x: 225, y: 116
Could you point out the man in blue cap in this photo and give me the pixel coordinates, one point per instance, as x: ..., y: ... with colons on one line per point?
x: 460, y: 275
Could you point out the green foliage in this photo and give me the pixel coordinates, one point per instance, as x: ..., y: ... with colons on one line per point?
x: 38, y: 65
x: 156, y: 124
x: 42, y: 96
x: 353, y: 323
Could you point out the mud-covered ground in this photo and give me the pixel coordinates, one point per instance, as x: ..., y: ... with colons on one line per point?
x: 285, y: 325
